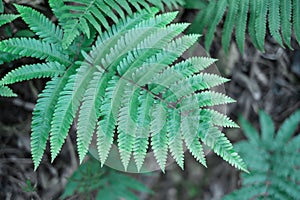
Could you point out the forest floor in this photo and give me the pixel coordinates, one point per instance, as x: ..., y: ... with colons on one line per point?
x: 268, y: 81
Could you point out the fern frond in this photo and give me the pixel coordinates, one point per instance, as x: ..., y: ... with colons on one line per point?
x: 1, y: 6
x: 143, y: 128
x: 89, y: 112
x: 66, y: 108
x: 40, y: 25
x: 274, y: 20
x: 73, y: 93
x: 222, y: 147
x: 196, y: 150
x: 181, y: 70
x: 6, y: 92
x: 267, y: 127
x: 30, y: 47
x: 288, y: 127
x: 175, y: 137
x: 208, y: 14
x: 121, y: 85
x: 7, y: 18
x: 159, y: 137
x: 261, y: 22
x: 217, y: 118
x: 78, y: 16
x: 229, y: 23
x: 43, y: 115
x: 27, y: 72
x: 127, y: 123
x: 7, y: 57
x: 188, y: 86
x: 255, y: 191
x: 250, y: 132
x: 106, y: 126
x: 286, y: 15
x: 296, y: 19
x: 115, y: 102
x: 107, y: 183
x: 219, y: 10
x: 251, y: 24
x: 241, y: 24
x: 211, y: 98
x: 274, y: 171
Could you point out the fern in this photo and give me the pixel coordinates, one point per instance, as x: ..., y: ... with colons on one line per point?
x: 39, y: 24
x: 7, y: 18
x: 275, y: 165
x: 105, y: 183
x: 28, y: 72
x: 79, y: 16
x: 282, y: 16
x: 126, y: 82
x: 6, y: 92
x: 1, y: 6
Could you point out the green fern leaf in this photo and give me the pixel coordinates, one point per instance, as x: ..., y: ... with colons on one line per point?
x: 7, y: 18
x: 217, y: 118
x: 29, y: 47
x: 143, y: 128
x: 249, y: 131
x: 274, y: 20
x: 241, y: 24
x: 196, y: 150
x: 175, y: 137
x: 260, y: 22
x: 222, y: 147
x: 267, y: 127
x: 116, y: 84
x: 181, y: 70
x: 188, y: 86
x: 256, y: 191
x: 66, y: 108
x: 69, y: 100
x: 273, y: 163
x: 1, y: 7
x: 229, y: 23
x: 207, y: 16
x: 89, y: 112
x: 296, y: 19
x: 127, y: 123
x: 159, y: 138
x: 43, y: 114
x: 106, y: 126
x: 6, y: 92
x: 210, y: 98
x: 288, y: 127
x: 90, y: 12
x: 251, y: 25
x: 286, y: 13
x: 219, y: 10
x: 7, y: 57
x: 40, y: 25
x: 27, y: 72
x: 115, y: 102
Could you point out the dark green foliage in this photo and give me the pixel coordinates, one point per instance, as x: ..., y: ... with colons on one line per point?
x: 6, y: 92
x: 7, y: 18
x: 104, y: 183
x: 282, y: 16
x: 1, y: 6
x: 126, y: 78
x: 273, y: 160
x: 82, y: 14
